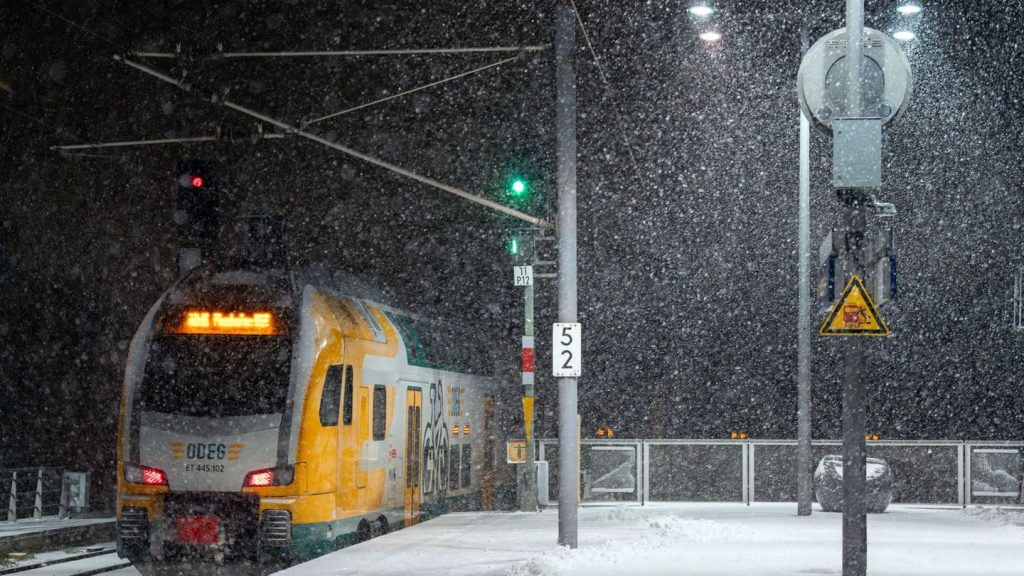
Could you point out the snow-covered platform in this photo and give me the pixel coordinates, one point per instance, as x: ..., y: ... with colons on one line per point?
x: 51, y: 533
x: 705, y: 539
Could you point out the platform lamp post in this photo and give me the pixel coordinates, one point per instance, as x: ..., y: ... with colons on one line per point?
x: 701, y: 12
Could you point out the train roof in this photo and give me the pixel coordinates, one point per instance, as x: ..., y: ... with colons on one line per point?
x: 429, y: 342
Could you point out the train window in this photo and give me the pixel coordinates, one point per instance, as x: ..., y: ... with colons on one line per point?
x: 380, y: 412
x: 346, y: 416
x: 467, y: 463
x: 216, y: 375
x: 330, y: 400
x: 453, y: 468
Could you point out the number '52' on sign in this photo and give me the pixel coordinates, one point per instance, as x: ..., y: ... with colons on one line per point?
x: 567, y: 358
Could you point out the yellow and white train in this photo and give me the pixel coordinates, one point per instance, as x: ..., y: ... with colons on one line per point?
x: 263, y: 418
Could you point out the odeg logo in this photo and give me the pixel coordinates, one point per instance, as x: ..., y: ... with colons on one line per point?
x: 211, y: 451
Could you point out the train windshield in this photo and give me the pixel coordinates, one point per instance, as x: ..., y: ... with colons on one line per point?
x: 216, y: 375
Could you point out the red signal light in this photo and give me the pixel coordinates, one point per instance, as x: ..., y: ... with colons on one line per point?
x: 197, y: 181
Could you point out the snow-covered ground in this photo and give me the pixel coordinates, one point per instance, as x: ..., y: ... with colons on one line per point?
x: 692, y: 539
x: 46, y: 523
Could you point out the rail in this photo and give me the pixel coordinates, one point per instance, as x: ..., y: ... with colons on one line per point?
x: 948, y: 472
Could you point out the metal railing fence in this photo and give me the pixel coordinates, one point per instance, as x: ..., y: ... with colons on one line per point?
x: 946, y: 472
x: 30, y: 492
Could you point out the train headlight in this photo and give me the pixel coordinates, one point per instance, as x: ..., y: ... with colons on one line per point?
x: 144, y: 475
x: 281, y: 476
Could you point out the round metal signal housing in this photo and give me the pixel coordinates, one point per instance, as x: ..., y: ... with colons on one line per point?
x: 886, y: 80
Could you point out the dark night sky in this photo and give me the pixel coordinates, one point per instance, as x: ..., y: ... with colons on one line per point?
x: 687, y: 262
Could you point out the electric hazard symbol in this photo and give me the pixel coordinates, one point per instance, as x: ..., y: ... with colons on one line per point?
x: 854, y: 314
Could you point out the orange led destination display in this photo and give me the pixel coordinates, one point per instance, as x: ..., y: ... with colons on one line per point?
x: 207, y: 322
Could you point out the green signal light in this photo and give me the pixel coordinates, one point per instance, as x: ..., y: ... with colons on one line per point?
x: 513, y: 246
x: 517, y: 187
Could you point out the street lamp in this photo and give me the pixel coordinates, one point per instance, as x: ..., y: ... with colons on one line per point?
x: 710, y: 36
x: 909, y: 8
x: 701, y: 10
x: 904, y: 36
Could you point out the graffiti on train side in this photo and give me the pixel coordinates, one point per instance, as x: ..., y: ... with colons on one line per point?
x: 435, y: 444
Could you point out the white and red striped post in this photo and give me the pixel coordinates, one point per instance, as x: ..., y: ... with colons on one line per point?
x: 529, y: 499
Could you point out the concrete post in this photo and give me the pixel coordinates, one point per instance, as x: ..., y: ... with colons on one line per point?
x: 565, y: 81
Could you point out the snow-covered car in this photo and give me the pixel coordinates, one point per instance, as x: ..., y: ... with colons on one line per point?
x: 828, y: 484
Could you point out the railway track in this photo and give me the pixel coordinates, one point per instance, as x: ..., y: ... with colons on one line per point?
x: 87, y: 563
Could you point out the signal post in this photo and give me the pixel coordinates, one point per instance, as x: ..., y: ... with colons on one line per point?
x: 851, y: 83
x: 523, y: 275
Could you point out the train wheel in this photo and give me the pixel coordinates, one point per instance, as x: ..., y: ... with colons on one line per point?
x: 380, y: 527
x: 364, y: 531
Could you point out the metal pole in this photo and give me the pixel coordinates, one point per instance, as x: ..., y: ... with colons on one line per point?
x: 854, y: 411
x: 565, y: 81
x: 12, y: 501
x: 855, y: 527
x: 805, y: 458
x: 37, y: 507
x: 854, y: 54
x: 529, y: 499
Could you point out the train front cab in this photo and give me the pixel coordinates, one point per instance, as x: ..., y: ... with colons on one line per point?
x: 353, y: 465
x: 329, y: 497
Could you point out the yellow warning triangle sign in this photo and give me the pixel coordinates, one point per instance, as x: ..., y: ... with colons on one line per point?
x: 854, y: 314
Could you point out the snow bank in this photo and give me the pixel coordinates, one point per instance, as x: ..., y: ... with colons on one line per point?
x: 693, y: 539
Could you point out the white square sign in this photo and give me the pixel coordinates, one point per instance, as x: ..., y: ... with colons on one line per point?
x: 566, y: 341
x: 523, y: 275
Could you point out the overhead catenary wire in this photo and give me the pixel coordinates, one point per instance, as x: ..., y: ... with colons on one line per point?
x: 40, y: 5
x: 40, y: 122
x: 299, y: 131
x: 154, y: 142
x: 412, y: 90
x: 343, y: 53
x: 609, y: 89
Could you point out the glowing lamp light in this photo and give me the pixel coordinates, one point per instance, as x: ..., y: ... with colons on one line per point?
x: 701, y: 10
x: 519, y: 187
x: 197, y: 181
x: 710, y: 36
x: 203, y: 322
x: 153, y: 477
x: 260, y: 478
x: 904, y: 35
x: 144, y: 475
x: 465, y: 429
x: 909, y: 8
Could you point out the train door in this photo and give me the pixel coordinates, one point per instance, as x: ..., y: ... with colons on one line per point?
x: 363, y: 434
x: 413, y: 419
